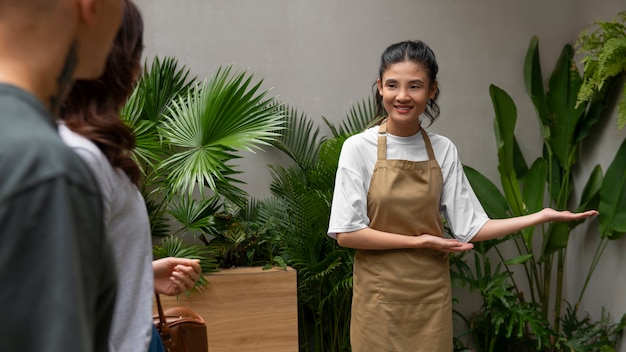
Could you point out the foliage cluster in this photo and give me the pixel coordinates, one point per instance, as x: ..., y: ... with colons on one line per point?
x: 304, y: 194
x: 187, y: 134
x: 512, y: 318
x: 604, y: 60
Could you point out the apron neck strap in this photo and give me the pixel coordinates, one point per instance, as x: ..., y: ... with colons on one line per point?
x: 429, y: 147
x: 382, y: 141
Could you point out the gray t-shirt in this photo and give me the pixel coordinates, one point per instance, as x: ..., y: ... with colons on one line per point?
x: 57, y: 274
x: 128, y: 228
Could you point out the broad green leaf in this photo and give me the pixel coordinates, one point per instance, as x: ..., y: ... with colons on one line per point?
x: 589, y: 198
x: 613, y: 196
x: 519, y: 163
x: 488, y: 194
x: 534, y: 84
x: 534, y: 187
x: 504, y: 126
x: 556, y: 238
x: 564, y: 85
x: 519, y: 260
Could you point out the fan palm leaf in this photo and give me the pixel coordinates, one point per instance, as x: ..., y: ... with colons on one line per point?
x: 217, y: 117
x: 143, y: 111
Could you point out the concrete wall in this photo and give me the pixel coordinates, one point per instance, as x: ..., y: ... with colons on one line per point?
x: 322, y: 56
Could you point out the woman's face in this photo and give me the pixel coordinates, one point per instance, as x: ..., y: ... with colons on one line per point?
x: 405, y: 88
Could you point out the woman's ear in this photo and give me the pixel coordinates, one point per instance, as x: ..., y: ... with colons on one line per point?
x: 433, y: 90
x: 87, y: 10
x: 379, y: 84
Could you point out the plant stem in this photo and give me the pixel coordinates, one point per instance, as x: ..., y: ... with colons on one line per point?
x: 545, y: 294
x: 596, y: 258
x: 559, y: 291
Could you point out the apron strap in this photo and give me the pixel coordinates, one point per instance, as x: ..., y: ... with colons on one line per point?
x: 429, y: 147
x: 382, y: 141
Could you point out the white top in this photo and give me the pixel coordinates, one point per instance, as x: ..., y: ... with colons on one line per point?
x: 128, y: 230
x: 459, y: 205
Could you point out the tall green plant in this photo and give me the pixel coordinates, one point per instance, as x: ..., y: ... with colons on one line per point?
x: 564, y: 124
x: 304, y: 192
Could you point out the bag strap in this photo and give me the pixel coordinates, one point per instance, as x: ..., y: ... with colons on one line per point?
x: 164, y: 329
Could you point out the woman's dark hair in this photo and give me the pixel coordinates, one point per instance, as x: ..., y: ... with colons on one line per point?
x: 419, y: 53
x: 92, y: 106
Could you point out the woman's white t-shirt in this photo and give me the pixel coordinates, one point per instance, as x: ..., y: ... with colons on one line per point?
x: 459, y: 205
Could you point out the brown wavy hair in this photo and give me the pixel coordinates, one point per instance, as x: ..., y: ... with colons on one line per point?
x: 92, y: 107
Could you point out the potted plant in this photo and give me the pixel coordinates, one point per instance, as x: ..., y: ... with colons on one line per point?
x: 188, y: 133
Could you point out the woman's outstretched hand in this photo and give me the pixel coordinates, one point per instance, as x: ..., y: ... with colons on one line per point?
x: 172, y: 276
x: 496, y: 228
x: 566, y: 215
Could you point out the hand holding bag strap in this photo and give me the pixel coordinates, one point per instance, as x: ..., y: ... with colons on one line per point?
x: 164, y: 329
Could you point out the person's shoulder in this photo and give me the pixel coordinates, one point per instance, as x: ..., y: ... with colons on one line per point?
x: 31, y: 152
x: 439, y: 138
x: 85, y: 148
x: 364, y: 138
x: 439, y: 141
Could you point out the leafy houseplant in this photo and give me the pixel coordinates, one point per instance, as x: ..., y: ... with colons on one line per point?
x: 303, y: 194
x: 245, y: 236
x: 604, y: 60
x: 534, y: 319
x: 187, y: 133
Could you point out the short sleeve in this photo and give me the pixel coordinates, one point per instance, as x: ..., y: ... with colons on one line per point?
x: 459, y: 203
x: 349, y: 205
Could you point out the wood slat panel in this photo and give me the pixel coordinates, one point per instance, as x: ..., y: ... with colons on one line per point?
x: 247, y: 309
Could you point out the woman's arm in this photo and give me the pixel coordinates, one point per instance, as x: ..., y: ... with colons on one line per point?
x: 500, y: 227
x: 369, y: 238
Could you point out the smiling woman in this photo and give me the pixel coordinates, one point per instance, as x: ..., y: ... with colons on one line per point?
x: 392, y: 182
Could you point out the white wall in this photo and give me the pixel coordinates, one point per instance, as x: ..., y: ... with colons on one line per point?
x: 322, y: 56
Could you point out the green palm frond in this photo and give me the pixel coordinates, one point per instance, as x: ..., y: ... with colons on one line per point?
x: 144, y: 109
x: 223, y: 114
x: 164, y: 81
x: 148, y: 150
x: 323, y: 177
x: 300, y: 139
x: 193, y: 214
x: 360, y: 117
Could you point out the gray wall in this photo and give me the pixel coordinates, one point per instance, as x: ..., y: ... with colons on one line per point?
x: 321, y: 57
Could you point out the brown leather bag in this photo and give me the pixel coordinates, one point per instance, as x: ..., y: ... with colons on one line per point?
x: 181, y: 329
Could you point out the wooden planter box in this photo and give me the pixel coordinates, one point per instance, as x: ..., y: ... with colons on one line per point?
x: 247, y: 309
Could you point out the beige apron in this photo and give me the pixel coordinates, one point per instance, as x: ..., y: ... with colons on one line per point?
x: 402, y: 297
